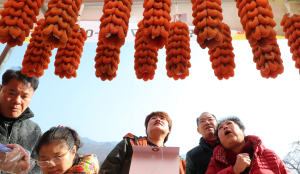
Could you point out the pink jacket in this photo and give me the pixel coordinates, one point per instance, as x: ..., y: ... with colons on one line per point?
x: 264, y: 161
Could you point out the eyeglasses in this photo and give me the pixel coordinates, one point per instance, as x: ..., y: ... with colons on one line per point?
x: 56, y: 160
x: 205, y: 120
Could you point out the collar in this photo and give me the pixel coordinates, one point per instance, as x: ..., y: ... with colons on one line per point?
x: 211, y: 143
x: 247, y: 148
x: 203, y: 144
x: 220, y: 152
x: 87, y: 164
x: 25, y: 115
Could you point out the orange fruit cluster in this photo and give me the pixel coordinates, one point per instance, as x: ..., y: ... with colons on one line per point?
x: 268, y: 60
x: 37, y: 55
x: 17, y: 19
x: 114, y: 22
x: 257, y: 21
x: 222, y: 57
x: 107, y: 60
x: 67, y: 58
x: 60, y: 18
x: 208, y: 22
x: 145, y: 57
x: 178, y: 51
x: 291, y: 27
x: 156, y: 22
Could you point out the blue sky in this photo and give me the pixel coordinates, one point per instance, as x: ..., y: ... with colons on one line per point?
x: 106, y: 111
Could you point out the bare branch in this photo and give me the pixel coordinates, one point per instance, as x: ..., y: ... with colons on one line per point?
x: 292, y: 166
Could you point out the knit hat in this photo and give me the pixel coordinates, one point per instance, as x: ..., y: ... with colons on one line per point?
x: 163, y: 114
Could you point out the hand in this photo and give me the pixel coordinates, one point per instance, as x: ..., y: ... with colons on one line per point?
x: 16, y: 161
x: 61, y: 126
x: 242, y: 161
x: 24, y: 165
x: 8, y: 160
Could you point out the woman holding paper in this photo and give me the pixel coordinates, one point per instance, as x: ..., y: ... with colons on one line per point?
x: 242, y: 154
x: 158, y: 126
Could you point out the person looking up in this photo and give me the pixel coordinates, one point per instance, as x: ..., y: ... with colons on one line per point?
x: 198, y: 158
x: 158, y: 127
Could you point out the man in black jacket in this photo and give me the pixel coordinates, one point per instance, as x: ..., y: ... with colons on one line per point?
x: 16, y: 92
x: 198, y: 158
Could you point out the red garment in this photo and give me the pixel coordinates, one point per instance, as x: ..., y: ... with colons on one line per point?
x: 264, y: 161
x: 212, y: 143
x: 247, y: 148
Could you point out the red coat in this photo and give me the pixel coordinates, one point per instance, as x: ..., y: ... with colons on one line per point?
x: 264, y: 161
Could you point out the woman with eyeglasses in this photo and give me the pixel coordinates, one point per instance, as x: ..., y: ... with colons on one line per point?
x: 57, y: 153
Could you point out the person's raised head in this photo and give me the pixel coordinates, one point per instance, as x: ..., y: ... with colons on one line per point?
x: 206, y: 125
x: 158, y: 124
x: 231, y: 133
x: 16, y: 92
x: 57, y: 149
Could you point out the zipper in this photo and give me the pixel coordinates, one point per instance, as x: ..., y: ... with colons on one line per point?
x: 7, y: 136
x: 253, y: 161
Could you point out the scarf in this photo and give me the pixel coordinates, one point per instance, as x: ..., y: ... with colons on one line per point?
x: 211, y: 143
x: 88, y: 164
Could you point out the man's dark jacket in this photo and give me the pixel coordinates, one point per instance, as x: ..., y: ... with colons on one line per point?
x: 25, y: 133
x: 198, y: 158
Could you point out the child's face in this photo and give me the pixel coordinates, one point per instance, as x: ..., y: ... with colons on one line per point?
x: 53, y: 151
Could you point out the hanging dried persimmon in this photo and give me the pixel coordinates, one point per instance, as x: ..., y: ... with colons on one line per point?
x: 222, y: 57
x: 60, y: 18
x: 291, y: 27
x: 156, y: 22
x: 114, y: 22
x: 208, y: 22
x: 178, y: 51
x: 257, y: 21
x: 37, y: 55
x: 145, y: 57
x: 268, y: 60
x: 67, y: 58
x: 107, y: 60
x: 17, y: 19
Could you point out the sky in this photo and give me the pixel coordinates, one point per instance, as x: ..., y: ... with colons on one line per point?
x: 107, y: 110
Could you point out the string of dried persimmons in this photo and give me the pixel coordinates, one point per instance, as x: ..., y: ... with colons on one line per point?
x: 17, y: 19
x: 67, y: 58
x: 145, y: 57
x: 291, y: 27
x: 37, y: 55
x: 222, y: 57
x: 178, y: 51
x: 257, y: 21
x: 60, y: 18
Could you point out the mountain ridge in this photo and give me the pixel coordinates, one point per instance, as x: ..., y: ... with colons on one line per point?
x: 100, y: 149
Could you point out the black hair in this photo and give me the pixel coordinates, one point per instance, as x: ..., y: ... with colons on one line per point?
x: 235, y: 119
x: 16, y: 73
x: 203, y: 114
x: 60, y: 135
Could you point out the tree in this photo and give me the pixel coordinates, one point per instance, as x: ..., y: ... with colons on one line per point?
x: 292, y: 159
